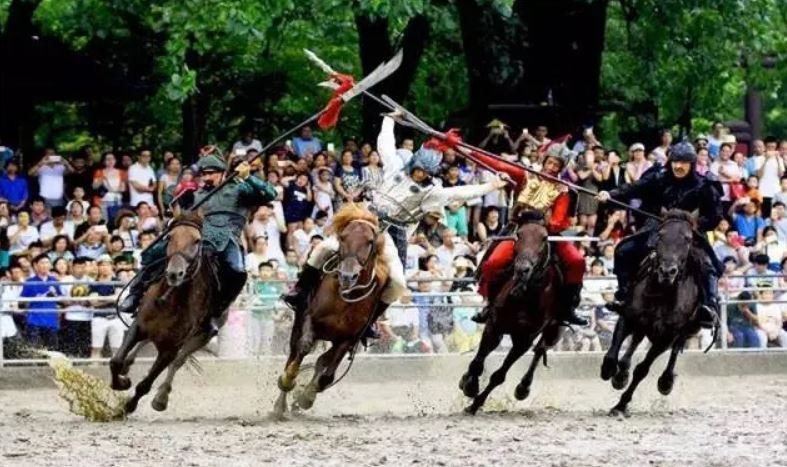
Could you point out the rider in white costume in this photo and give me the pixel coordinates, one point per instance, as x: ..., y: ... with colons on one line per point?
x: 401, y: 201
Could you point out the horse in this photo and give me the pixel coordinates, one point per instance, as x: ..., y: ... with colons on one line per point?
x: 662, y: 305
x: 525, y: 307
x: 341, y: 308
x: 172, y: 313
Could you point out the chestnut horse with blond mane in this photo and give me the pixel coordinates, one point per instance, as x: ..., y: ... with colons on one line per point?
x: 340, y: 310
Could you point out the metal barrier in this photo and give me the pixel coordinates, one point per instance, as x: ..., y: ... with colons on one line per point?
x: 252, y: 302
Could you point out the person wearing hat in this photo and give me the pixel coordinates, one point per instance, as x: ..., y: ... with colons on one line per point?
x: 225, y: 214
x: 552, y: 199
x: 498, y: 140
x: 400, y: 202
x: 638, y: 164
x: 674, y: 186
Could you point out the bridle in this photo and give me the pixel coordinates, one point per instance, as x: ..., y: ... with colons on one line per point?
x: 194, y: 261
x: 544, y: 255
x: 331, y: 266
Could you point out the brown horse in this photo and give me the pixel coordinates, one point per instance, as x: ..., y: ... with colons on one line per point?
x: 525, y: 307
x: 340, y: 309
x: 662, y: 306
x: 172, y: 313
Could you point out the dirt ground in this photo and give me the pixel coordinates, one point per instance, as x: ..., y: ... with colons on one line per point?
x: 724, y: 421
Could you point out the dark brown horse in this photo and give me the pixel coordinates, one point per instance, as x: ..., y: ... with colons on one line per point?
x: 172, y: 313
x: 341, y: 308
x: 661, y: 306
x: 525, y: 308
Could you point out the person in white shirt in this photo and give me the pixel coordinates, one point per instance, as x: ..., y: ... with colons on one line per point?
x: 50, y: 171
x: 266, y: 223
x: 451, y: 248
x: 727, y: 170
x: 302, y: 237
x: 21, y: 234
x: 142, y: 180
x: 258, y: 255
x: 770, y: 317
x: 770, y: 172
x: 241, y: 147
x: 9, y: 295
x: 57, y: 226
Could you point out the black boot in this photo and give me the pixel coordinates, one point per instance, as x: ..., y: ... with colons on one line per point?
x: 482, y: 316
x: 297, y: 298
x: 709, y: 312
x: 137, y: 288
x: 569, y: 300
x: 621, y: 294
x: 371, y: 331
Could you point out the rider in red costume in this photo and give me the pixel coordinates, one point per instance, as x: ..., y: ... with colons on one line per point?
x: 553, y: 200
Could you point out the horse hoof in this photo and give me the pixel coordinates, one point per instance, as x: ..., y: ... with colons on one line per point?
x: 621, y: 380
x: 130, y: 406
x: 521, y: 392
x: 159, y: 405
x: 619, y: 412
x: 285, y: 387
x: 471, y: 410
x: 305, y: 399
x: 609, y: 368
x: 665, y: 384
x: 468, y: 385
x: 121, y: 383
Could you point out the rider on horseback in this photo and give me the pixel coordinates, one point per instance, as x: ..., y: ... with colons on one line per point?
x: 400, y: 202
x: 676, y: 186
x: 225, y: 217
x: 553, y: 200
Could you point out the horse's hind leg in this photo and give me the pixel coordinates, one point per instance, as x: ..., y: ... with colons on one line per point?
x: 195, y: 343
x: 324, y: 373
x: 124, y: 357
x: 667, y: 379
x: 610, y: 365
x: 489, y: 342
x: 621, y: 378
x: 164, y: 358
x: 640, y: 372
x: 301, y: 343
x: 520, y: 346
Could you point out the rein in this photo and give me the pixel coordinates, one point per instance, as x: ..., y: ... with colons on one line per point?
x: 331, y: 266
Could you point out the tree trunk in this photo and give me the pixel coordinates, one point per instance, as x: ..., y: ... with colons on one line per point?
x: 541, y: 65
x: 375, y: 47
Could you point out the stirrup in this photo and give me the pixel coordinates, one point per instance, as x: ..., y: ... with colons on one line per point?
x: 713, y: 321
x: 482, y: 316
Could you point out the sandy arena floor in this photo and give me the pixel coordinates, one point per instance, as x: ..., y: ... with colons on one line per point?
x: 725, y: 421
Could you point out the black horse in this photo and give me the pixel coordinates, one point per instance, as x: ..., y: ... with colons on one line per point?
x: 662, y: 305
x: 525, y: 307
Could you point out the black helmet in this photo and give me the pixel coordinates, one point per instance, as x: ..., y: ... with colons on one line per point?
x: 683, y: 152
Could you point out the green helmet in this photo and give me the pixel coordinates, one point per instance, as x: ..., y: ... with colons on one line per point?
x: 211, y: 162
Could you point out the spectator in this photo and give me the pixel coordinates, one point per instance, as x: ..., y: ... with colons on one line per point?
x: 612, y: 175
x: 126, y: 231
x: 637, y: 164
x: 297, y: 203
x: 258, y: 255
x: 266, y: 224
x: 714, y: 140
x: 21, y: 234
x: 109, y: 184
x: 587, y: 174
x: 247, y: 141
x: 142, y: 180
x: 145, y: 239
x: 757, y: 276
x: 105, y: 325
x: 147, y: 217
x: 6, y: 154
x: 94, y: 243
x: 781, y: 196
x: 262, y: 328
x: 703, y: 161
x: 742, y: 324
x: 168, y: 182
x: 770, y: 172
x: 729, y: 175
x: 747, y: 223
x: 608, y: 257
x: 771, y: 247
x: 373, y: 172
x: 665, y: 141
x: 348, y: 177
x: 324, y: 192
x: 306, y: 143
x: 38, y: 212
x: 56, y: 227
x: 301, y: 238
x: 76, y: 214
x: 10, y: 296
x: 94, y: 219
x: 43, y: 321
x: 770, y: 317
x: 403, y: 323
x: 76, y: 331
x: 51, y: 170
x: 81, y: 175
x: 452, y: 247
x: 431, y: 227
x: 752, y: 190
x: 778, y: 221
x: 60, y: 250
x: 490, y: 227
x: 13, y: 187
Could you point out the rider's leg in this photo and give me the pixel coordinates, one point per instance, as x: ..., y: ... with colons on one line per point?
x: 232, y: 271
x: 628, y: 254
x: 396, y: 286
x: 310, y: 274
x: 152, y: 266
x: 709, y: 311
x: 574, y: 269
x: 492, y: 269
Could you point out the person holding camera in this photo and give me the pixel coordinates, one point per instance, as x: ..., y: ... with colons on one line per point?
x: 51, y: 171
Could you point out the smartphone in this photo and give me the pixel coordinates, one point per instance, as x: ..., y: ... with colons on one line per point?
x: 331, y: 147
x: 54, y: 158
x: 240, y: 152
x: 524, y: 131
x: 288, y: 143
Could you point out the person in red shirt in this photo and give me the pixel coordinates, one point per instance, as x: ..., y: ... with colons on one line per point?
x: 552, y: 199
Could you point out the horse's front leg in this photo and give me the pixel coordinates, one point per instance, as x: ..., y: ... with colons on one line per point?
x: 193, y: 344
x: 667, y: 379
x: 301, y: 343
x: 490, y: 339
x: 123, y: 358
x: 164, y: 358
x: 324, y: 372
x: 621, y: 378
x: 640, y: 372
x: 610, y: 365
x: 520, y: 346
x: 540, y: 353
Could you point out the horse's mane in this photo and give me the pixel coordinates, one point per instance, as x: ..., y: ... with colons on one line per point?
x: 351, y: 212
x: 194, y: 217
x: 348, y: 213
x: 680, y: 215
x: 530, y: 216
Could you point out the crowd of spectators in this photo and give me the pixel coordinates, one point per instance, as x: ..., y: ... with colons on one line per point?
x: 85, y: 218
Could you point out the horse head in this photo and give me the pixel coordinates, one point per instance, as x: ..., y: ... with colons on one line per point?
x: 675, y: 239
x: 184, y: 247
x: 360, y: 243
x: 532, y: 247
